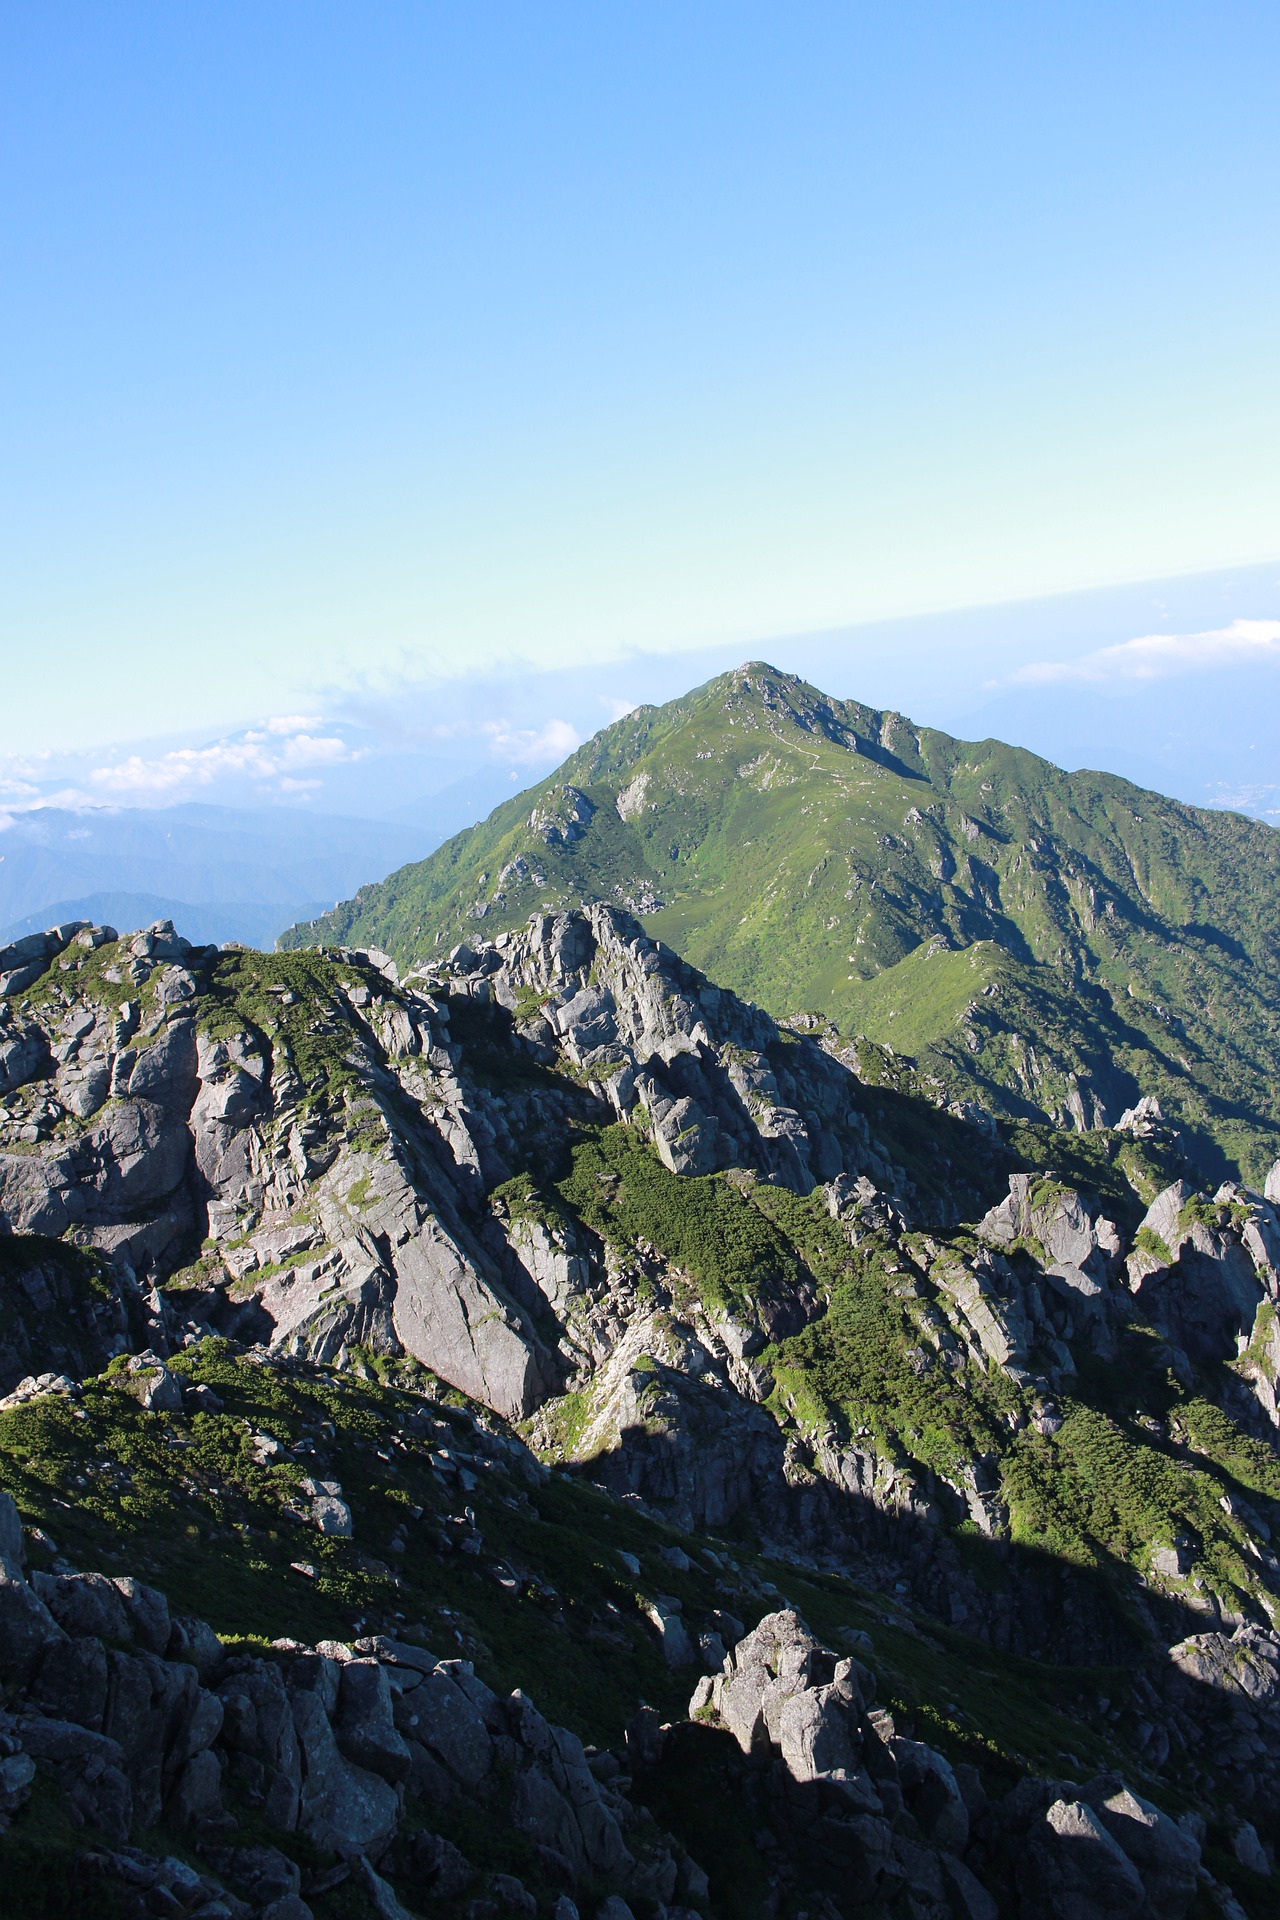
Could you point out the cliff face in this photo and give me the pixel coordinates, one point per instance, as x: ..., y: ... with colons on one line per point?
x: 668, y: 1249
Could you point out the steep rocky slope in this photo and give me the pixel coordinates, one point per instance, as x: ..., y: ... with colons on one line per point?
x: 1054, y: 945
x: 555, y: 1310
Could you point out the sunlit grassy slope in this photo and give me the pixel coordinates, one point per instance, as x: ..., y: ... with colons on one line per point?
x: 1050, y: 943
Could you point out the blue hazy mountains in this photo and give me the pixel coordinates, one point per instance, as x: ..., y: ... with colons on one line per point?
x: 220, y: 873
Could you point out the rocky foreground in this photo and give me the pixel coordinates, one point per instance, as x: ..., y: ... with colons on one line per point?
x: 146, y: 1722
x: 271, y: 1225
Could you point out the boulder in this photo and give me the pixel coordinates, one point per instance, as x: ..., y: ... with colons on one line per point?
x: 26, y: 1624
x: 23, y: 961
x: 1165, y: 1854
x: 1245, y: 1663
x: 453, y: 1320
x: 602, y: 1839
x: 1249, y: 1850
x: 259, y: 1733
x: 195, y: 1640
x: 664, y: 1615
x: 159, y: 941
x: 165, y: 1073
x: 1197, y: 1282
x: 11, y: 1543
x: 1075, y: 1870
x: 148, y: 1612
x: 151, y: 1713
x: 364, y: 1724
x: 432, y: 1864
x: 381, y: 1894
x: 931, y: 1792
x: 85, y: 1603
x: 539, y: 1809
x: 1071, y: 1232
x: 23, y: 1055
x: 90, y: 1770
x: 439, y: 1715
x: 71, y: 1682
x: 819, y: 1739
x: 196, y: 1792
x: 134, y: 1157
x: 263, y: 1874
x: 969, y: 1899
x: 344, y: 1807
x: 329, y: 1511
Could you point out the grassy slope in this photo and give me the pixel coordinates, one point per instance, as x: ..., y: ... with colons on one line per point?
x: 819, y: 855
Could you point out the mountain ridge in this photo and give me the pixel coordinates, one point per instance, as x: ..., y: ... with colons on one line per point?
x: 1051, y: 945
x: 557, y: 1311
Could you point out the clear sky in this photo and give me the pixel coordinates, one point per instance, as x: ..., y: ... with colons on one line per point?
x: 343, y: 343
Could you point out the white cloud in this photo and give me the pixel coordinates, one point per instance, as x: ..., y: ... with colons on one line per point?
x: 553, y: 742
x: 1157, y: 656
x: 251, y: 757
x: 315, y: 750
x: 615, y: 708
x: 69, y: 799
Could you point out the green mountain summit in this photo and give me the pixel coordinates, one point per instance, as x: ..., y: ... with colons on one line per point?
x: 1053, y: 945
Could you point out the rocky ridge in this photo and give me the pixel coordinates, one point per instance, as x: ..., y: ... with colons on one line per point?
x: 567, y: 1176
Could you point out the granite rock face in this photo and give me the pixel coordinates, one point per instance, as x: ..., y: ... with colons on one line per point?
x: 143, y: 1725
x: 340, y: 1744
x: 865, y: 1809
x: 191, y: 1136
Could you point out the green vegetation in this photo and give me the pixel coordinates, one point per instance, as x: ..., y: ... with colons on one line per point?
x: 1212, y: 1214
x: 1101, y: 1493
x: 192, y: 1505
x: 852, y: 1369
x: 294, y: 1005
x: 1095, y: 1491
x: 1250, y: 1463
x: 1036, y: 939
x: 50, y: 1294
x: 1147, y: 1240
x: 529, y: 1003
x: 705, y: 1226
x: 521, y: 1199
x: 84, y: 1272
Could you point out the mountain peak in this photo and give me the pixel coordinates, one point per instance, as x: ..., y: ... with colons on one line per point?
x: 944, y: 899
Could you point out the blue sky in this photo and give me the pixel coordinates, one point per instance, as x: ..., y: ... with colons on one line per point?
x: 346, y: 351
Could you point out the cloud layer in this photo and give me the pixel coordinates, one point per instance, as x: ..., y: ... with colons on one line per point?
x: 295, y: 756
x: 530, y: 747
x: 276, y: 755
x: 1158, y: 656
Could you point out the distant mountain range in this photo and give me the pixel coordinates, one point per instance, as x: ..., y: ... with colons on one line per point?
x: 1053, y: 945
x: 220, y: 873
